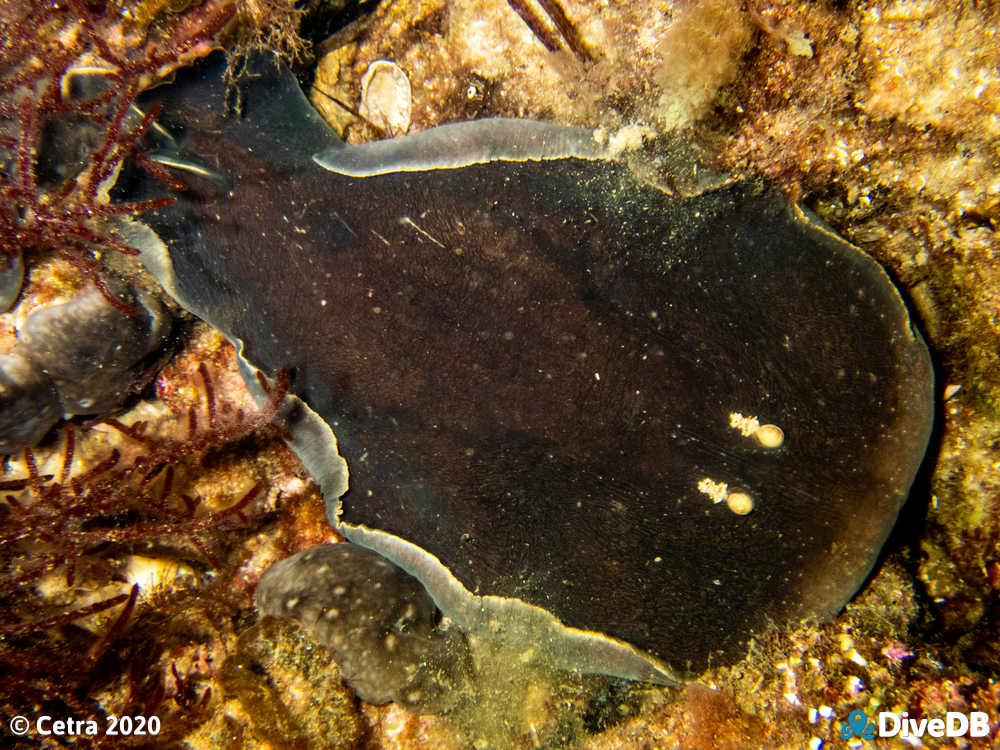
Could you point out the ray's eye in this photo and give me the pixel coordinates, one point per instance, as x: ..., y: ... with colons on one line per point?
x: 739, y: 502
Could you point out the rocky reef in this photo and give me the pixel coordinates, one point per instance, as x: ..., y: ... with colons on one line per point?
x: 132, y: 546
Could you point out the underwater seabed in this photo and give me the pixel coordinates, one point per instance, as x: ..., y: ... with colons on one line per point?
x: 882, y: 117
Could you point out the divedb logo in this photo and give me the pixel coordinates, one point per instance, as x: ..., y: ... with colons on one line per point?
x: 890, y: 724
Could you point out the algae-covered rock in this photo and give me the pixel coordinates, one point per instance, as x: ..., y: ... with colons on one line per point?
x: 289, y: 691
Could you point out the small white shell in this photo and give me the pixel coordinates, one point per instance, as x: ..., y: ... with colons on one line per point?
x: 386, y: 98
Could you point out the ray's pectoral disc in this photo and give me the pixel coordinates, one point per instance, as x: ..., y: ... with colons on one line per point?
x: 637, y: 427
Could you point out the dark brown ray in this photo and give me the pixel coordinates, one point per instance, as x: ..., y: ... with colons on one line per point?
x: 557, y: 381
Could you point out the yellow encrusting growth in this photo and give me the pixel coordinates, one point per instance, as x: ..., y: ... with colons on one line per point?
x: 746, y: 425
x: 701, y: 51
x: 716, y: 491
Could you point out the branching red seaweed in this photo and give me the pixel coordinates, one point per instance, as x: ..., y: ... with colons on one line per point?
x: 125, y: 572
x: 47, y: 49
x: 60, y: 525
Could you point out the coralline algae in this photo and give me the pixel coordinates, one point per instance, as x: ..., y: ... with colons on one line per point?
x: 557, y: 388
